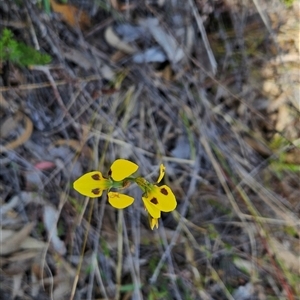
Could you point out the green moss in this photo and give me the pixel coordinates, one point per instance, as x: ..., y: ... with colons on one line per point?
x: 162, y: 294
x: 288, y: 3
x: 19, y: 53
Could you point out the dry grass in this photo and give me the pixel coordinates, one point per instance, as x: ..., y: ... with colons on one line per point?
x: 221, y: 112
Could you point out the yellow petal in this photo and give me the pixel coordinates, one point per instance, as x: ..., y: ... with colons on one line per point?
x: 162, y: 171
x: 91, y: 184
x: 118, y: 200
x: 163, y: 198
x: 151, y: 208
x: 122, y: 168
x: 153, y: 222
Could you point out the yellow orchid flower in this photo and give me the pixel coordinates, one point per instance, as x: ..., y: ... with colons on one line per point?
x: 156, y: 199
x: 92, y: 184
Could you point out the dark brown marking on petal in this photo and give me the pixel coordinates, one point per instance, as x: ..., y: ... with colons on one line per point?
x: 154, y: 200
x: 96, y: 177
x: 109, y: 172
x: 164, y: 191
x: 96, y: 191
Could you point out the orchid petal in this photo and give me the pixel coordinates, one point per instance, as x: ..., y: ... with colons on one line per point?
x: 118, y: 200
x: 91, y: 184
x: 153, y: 222
x: 162, y: 171
x: 122, y: 168
x: 151, y: 208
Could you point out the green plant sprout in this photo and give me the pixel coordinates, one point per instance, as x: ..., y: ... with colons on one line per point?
x: 19, y: 53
